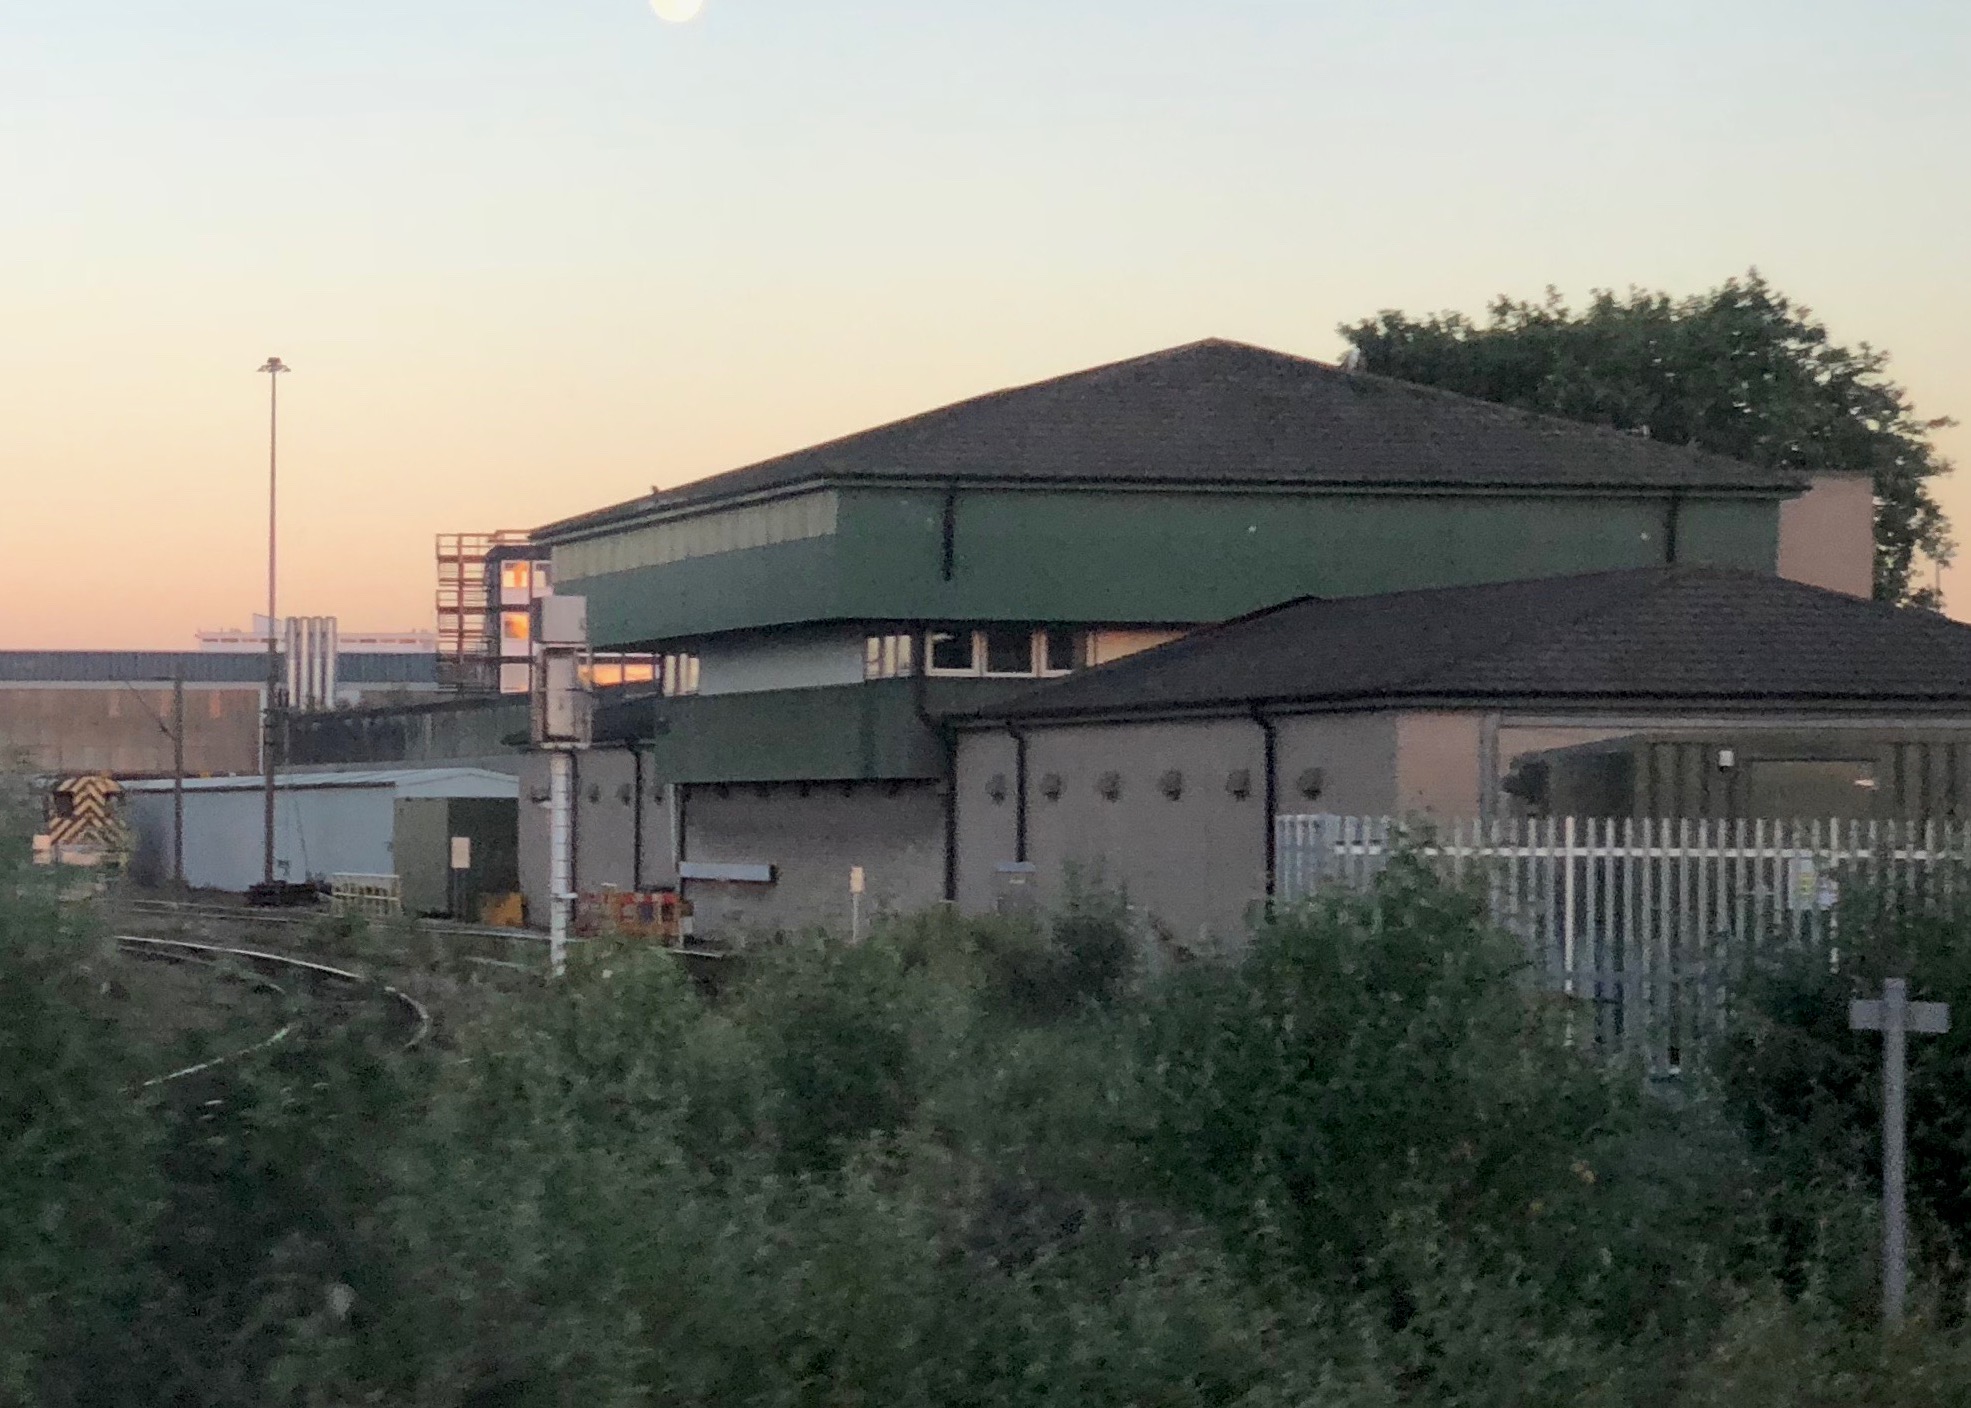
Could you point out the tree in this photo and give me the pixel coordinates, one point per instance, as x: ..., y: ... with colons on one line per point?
x: 1740, y: 370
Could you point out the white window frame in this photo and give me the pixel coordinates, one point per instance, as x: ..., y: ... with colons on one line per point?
x: 1077, y: 648
x: 935, y: 670
x: 982, y: 656
x: 1037, y: 667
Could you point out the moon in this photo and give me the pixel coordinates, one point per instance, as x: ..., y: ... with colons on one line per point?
x: 677, y: 11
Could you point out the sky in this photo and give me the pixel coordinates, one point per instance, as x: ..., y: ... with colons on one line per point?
x: 530, y: 257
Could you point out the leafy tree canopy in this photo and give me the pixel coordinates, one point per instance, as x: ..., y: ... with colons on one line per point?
x: 1740, y: 370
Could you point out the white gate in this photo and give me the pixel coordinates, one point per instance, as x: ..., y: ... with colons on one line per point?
x: 1650, y: 921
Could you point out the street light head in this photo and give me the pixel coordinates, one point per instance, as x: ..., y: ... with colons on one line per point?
x: 275, y: 365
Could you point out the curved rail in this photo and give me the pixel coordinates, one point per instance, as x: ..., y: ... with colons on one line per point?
x: 530, y: 942
x: 260, y: 982
x: 186, y: 950
x: 195, y: 909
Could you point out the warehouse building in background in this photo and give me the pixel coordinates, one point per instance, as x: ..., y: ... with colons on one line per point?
x: 83, y: 711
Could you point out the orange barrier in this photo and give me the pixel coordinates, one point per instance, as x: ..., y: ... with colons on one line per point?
x: 635, y: 914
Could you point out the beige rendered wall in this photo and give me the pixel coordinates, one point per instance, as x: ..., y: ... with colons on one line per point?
x: 1439, y: 769
x: 985, y: 829
x: 1827, y: 535
x: 1355, y: 755
x: 1195, y: 863
x: 1115, y: 643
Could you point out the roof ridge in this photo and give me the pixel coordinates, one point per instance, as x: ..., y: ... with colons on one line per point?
x: 1506, y: 410
x: 601, y: 516
x: 1317, y: 392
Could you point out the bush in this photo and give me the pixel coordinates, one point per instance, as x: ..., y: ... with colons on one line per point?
x: 1377, y: 1087
x: 78, y: 1186
x: 1808, y: 1091
x: 1368, y: 1055
x: 978, y: 1161
x: 1027, y: 968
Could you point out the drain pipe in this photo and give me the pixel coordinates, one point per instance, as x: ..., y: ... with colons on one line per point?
x: 1019, y: 738
x: 636, y: 819
x: 948, y: 752
x: 1270, y: 789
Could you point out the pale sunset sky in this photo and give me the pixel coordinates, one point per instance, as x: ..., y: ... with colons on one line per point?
x: 528, y: 257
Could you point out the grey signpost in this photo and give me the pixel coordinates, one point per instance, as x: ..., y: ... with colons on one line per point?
x: 1894, y: 1015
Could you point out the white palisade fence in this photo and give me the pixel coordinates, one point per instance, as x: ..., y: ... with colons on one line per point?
x: 1648, y: 924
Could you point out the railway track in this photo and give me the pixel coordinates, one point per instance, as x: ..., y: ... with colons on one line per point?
x: 194, y: 911
x: 519, y: 948
x: 333, y: 995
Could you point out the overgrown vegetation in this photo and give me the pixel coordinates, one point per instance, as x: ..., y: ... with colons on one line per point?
x: 985, y: 1162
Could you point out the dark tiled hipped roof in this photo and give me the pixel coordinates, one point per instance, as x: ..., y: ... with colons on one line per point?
x: 1225, y: 412
x: 1689, y: 633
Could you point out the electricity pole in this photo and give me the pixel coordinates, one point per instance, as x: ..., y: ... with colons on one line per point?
x: 273, y: 369
x: 178, y: 783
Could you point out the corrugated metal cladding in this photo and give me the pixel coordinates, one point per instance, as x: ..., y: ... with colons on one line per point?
x: 786, y: 520
x: 195, y: 667
x: 1892, y: 778
x: 405, y: 782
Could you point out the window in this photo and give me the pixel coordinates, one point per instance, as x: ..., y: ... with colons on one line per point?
x: 543, y: 579
x: 516, y: 679
x: 516, y: 576
x: 680, y: 674
x: 888, y: 657
x: 516, y: 625
x: 950, y: 653
x: 609, y: 671
x: 1008, y: 650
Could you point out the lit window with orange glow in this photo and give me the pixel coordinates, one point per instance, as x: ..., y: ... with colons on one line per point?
x: 516, y: 625
x: 517, y: 576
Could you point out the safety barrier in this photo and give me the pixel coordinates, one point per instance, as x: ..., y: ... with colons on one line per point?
x: 372, y: 896
x: 640, y: 914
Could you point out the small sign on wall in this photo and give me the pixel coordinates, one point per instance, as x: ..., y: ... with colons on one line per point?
x: 855, y: 880
x: 461, y: 853
x: 1809, y: 888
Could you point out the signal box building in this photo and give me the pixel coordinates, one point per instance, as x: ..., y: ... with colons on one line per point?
x: 823, y: 618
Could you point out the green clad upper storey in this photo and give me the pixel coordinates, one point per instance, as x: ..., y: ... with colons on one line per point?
x: 1187, y: 486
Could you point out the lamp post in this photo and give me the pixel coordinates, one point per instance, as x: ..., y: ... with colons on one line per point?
x: 273, y: 369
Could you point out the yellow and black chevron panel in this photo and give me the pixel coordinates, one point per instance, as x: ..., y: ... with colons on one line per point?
x: 85, y: 811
